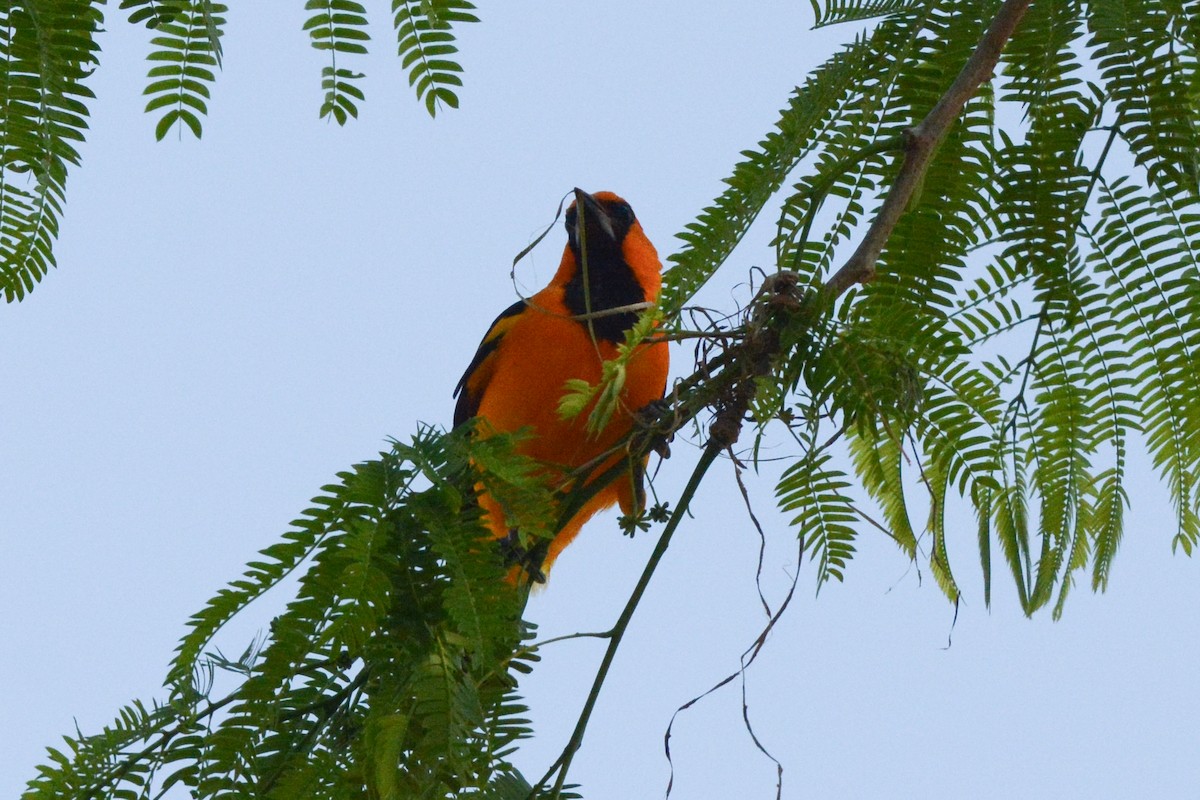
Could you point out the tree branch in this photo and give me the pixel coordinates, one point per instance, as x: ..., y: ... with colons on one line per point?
x: 921, y: 142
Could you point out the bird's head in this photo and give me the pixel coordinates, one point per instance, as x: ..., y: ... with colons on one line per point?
x: 607, y: 226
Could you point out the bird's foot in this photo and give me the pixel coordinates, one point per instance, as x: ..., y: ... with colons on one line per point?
x: 528, y: 559
x: 652, y: 422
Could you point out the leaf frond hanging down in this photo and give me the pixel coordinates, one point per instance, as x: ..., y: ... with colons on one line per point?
x: 154, y: 12
x: 1144, y: 249
x: 937, y: 481
x: 1045, y: 185
x: 834, y: 12
x: 879, y: 459
x: 1061, y: 449
x: 1148, y: 60
x: 815, y: 492
x: 47, y: 50
x: 427, y: 49
x: 185, y: 54
x: 340, y: 28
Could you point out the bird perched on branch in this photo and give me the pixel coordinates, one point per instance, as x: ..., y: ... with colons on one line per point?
x: 608, y: 274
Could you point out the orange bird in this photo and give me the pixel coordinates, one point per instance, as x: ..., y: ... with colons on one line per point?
x: 535, y: 346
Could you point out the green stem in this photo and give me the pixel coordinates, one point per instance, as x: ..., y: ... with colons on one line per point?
x: 563, y: 764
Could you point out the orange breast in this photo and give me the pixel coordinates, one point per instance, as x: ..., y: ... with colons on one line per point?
x: 537, y: 356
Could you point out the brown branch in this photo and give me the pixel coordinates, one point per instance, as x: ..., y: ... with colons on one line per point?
x: 921, y: 142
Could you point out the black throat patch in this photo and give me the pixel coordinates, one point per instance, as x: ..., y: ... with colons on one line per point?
x: 611, y: 284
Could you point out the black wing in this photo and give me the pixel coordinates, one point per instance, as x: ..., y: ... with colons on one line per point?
x: 470, y: 391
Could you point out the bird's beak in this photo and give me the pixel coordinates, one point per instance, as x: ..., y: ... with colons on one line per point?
x: 592, y: 214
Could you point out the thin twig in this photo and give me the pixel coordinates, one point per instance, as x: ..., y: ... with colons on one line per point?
x: 1018, y: 402
x: 679, y: 336
x: 591, y: 315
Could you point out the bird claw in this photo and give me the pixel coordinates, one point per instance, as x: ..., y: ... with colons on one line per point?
x: 529, y: 560
x: 649, y: 422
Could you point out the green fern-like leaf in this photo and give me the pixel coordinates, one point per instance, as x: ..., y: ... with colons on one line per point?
x: 340, y: 28
x: 834, y: 12
x: 392, y: 669
x: 1061, y: 448
x: 937, y: 481
x: 1150, y: 72
x: 1045, y: 185
x: 988, y: 308
x: 46, y: 52
x: 878, y: 459
x: 187, y: 50
x: 802, y: 125
x: 1144, y: 250
x: 1108, y: 524
x: 815, y: 491
x: 1010, y: 518
x: 426, y: 45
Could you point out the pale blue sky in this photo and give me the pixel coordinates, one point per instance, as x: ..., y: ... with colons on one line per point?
x: 235, y: 320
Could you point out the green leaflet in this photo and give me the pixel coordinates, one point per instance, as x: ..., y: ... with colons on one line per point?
x: 155, y: 12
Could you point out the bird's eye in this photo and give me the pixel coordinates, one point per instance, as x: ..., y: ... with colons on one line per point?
x: 622, y: 212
